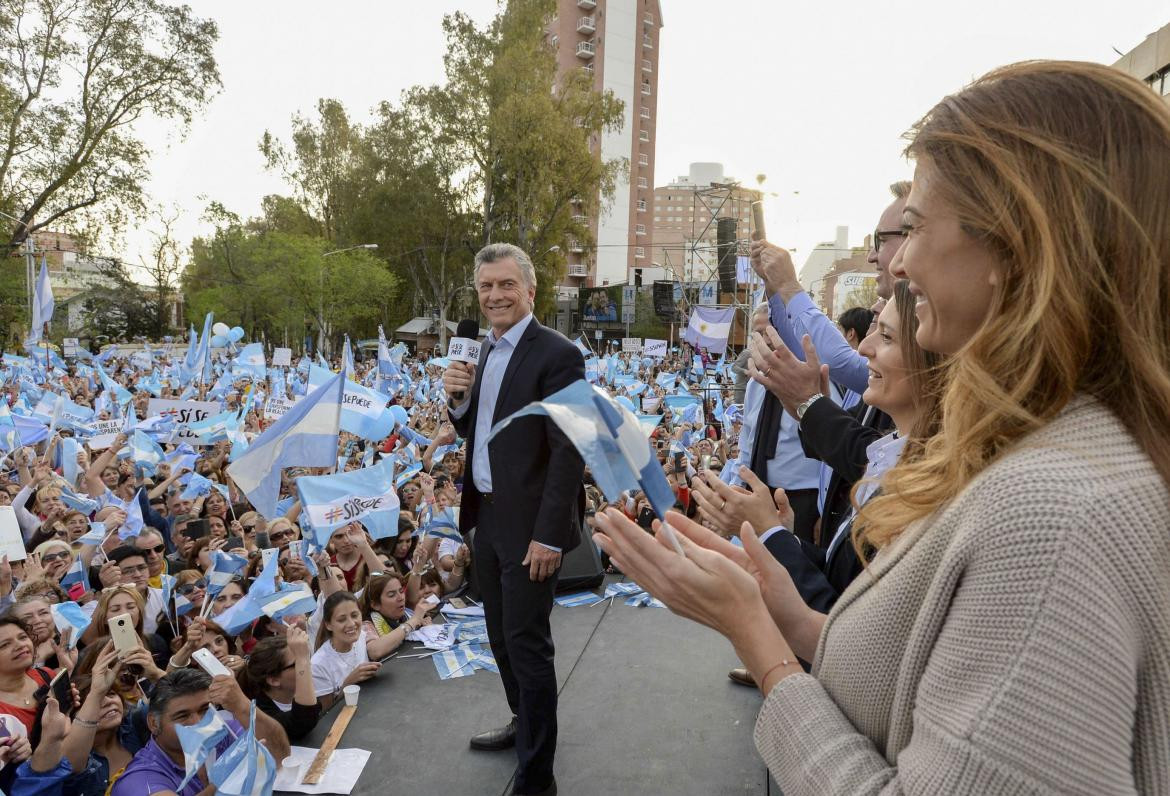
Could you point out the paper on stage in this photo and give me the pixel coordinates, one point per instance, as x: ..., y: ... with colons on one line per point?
x: 341, y: 774
x: 471, y: 610
x: 434, y: 637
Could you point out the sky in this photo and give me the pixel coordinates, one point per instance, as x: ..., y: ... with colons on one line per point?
x: 816, y: 96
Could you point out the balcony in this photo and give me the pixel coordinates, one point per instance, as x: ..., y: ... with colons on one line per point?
x: 587, y: 5
x: 643, y: 135
x: 641, y: 205
x: 580, y: 219
x: 646, y: 20
x: 586, y: 49
x: 578, y: 270
x: 647, y: 42
x: 642, y: 181
x: 575, y: 246
x: 586, y: 25
x: 646, y: 65
x: 639, y: 229
x: 645, y: 113
x: 646, y: 89
x: 588, y: 68
x: 643, y: 159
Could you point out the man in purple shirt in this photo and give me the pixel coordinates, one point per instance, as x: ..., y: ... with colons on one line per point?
x: 182, y: 697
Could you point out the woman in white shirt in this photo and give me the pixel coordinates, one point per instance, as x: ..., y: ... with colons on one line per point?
x: 344, y: 648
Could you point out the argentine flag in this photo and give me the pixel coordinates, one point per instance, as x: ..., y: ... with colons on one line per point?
x: 145, y: 452
x: 246, y: 768
x: 363, y: 411
x: 70, y: 616
x: 367, y: 495
x: 198, y: 740
x: 306, y: 436
x: 251, y: 360
x: 709, y: 328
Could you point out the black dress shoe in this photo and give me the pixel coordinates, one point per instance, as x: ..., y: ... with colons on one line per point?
x: 497, y: 739
x: 551, y: 790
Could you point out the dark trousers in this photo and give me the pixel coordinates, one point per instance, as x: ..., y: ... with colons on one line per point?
x: 516, y: 610
x: 804, y: 506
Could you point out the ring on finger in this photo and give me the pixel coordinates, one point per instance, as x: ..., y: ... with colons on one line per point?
x: 723, y: 506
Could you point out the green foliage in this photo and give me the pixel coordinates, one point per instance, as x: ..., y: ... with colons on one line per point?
x: 118, y: 308
x: 75, y: 77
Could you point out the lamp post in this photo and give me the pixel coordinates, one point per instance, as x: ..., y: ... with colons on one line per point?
x: 321, y: 336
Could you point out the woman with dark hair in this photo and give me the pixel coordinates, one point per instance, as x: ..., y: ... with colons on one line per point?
x: 19, y: 678
x: 279, y: 676
x: 344, y: 648
x: 383, y: 604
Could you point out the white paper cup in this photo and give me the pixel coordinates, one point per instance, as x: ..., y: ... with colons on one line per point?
x: 351, y: 694
x: 294, y: 766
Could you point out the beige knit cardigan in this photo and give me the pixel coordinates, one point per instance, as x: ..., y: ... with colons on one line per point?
x: 1018, y: 641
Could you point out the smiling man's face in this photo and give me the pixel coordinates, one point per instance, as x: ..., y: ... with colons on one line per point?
x: 504, y: 297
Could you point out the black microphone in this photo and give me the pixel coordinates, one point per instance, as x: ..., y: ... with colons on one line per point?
x: 469, y: 330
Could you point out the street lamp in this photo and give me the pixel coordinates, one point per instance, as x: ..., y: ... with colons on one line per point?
x: 321, y: 291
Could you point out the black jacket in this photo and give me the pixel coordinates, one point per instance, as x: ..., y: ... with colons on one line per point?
x: 537, y: 474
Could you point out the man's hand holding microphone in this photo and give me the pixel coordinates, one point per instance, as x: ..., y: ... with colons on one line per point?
x: 463, y: 353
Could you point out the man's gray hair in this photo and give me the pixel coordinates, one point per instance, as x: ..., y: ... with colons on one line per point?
x: 494, y: 252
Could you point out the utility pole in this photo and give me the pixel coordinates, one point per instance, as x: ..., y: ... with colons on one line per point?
x: 30, y: 272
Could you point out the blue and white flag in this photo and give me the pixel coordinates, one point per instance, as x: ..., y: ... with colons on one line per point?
x: 251, y: 360
x: 408, y: 473
x: 609, y: 438
x: 120, y: 394
x: 145, y: 452
x: 305, y: 436
x: 134, y: 522
x: 77, y: 573
x: 197, y: 486
x: 43, y: 304
x: 225, y: 567
x: 347, y: 367
x: 70, y: 616
x: 666, y: 380
x: 367, y: 495
x: 289, y: 601
x: 9, y: 436
x: 200, y: 367
x: 216, y: 428
x: 709, y: 328
x: 582, y: 347
x: 246, y: 768
x: 577, y: 600
x: 443, y: 525
x: 95, y: 535
x: 198, y: 740
x: 363, y: 411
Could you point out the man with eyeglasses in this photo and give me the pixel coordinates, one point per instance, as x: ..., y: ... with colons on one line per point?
x: 136, y: 571
x: 150, y: 542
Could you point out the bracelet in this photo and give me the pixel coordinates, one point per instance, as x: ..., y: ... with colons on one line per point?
x: 84, y: 722
x: 784, y: 662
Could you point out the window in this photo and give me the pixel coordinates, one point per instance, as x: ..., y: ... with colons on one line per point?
x: 645, y: 64
x: 641, y: 205
x: 643, y: 182
x: 639, y: 229
x: 645, y: 114
x: 639, y: 252
x: 555, y: 39
x: 643, y: 135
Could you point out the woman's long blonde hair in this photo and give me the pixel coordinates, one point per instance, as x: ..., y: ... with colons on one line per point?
x: 1061, y: 170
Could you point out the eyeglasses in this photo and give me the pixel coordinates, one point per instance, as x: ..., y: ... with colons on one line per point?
x: 193, y: 586
x: 251, y: 527
x: 274, y: 535
x: 49, y: 558
x: 134, y: 570
x: 880, y: 235
x: 157, y: 549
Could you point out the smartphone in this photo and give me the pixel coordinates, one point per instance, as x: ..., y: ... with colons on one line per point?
x: 457, y: 602
x: 706, y: 462
x: 197, y: 529
x: 294, y: 548
x: 209, y: 663
x: 122, y: 632
x: 61, y: 688
x: 268, y: 553
x: 678, y: 462
x: 233, y: 542
x: 263, y: 541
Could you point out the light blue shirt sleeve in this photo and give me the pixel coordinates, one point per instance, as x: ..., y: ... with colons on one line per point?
x: 779, y: 317
x: 549, y: 546
x: 846, y: 366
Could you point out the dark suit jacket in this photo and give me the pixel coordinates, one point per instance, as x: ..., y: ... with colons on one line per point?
x: 838, y: 437
x: 537, y: 474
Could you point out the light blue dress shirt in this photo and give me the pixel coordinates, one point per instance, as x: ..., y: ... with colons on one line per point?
x: 789, y: 468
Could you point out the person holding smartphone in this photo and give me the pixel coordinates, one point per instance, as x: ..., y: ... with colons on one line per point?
x: 102, y: 739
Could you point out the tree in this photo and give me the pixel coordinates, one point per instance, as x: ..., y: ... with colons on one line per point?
x: 862, y: 296
x: 162, y: 268
x: 75, y: 77
x: 118, y: 308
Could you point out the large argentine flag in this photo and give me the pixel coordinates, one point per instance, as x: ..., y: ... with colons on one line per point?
x: 609, y: 438
x: 709, y: 328
x: 367, y: 495
x: 363, y: 411
x: 306, y: 436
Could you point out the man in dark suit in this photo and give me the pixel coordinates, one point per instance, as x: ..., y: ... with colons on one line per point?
x: 524, y: 495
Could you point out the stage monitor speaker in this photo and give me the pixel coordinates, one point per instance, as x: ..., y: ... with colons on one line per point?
x: 581, y: 567
x: 664, y: 299
x: 726, y: 243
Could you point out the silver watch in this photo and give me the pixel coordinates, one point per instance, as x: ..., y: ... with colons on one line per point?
x: 800, y: 410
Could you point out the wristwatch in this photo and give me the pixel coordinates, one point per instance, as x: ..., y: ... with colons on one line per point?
x: 812, y: 399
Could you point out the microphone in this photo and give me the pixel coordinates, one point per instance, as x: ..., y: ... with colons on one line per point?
x: 464, y: 346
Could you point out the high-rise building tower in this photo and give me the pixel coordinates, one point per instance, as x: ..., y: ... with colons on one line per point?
x: 617, y: 41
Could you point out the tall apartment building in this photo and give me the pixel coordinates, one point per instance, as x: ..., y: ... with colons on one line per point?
x: 1150, y: 62
x: 616, y: 41
x: 685, y: 215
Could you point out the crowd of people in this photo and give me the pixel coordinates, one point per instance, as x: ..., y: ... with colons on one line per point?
x: 934, y: 530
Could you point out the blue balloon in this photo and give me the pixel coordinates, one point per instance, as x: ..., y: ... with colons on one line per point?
x: 399, y: 414
x: 218, y: 341
x: 236, y: 334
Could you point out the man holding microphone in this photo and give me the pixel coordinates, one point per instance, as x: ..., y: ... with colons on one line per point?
x: 524, y: 496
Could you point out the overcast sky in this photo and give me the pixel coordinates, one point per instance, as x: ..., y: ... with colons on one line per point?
x: 815, y: 96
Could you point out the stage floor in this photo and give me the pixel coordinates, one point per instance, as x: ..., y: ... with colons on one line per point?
x: 645, y: 708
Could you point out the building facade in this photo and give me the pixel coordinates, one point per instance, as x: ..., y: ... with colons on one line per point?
x: 617, y: 42
x: 1150, y: 62
x: 686, y: 214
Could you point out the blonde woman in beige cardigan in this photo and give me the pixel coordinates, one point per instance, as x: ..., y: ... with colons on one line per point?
x: 1012, y: 632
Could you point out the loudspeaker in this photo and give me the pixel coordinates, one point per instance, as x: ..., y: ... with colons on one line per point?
x: 581, y: 567
x: 664, y: 299
x: 725, y: 241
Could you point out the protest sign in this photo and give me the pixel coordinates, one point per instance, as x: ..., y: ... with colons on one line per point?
x: 654, y: 348
x: 69, y: 346
x: 631, y: 345
x: 650, y: 404
x: 184, y: 412
x: 276, y: 406
x: 104, y: 433
x: 281, y: 357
